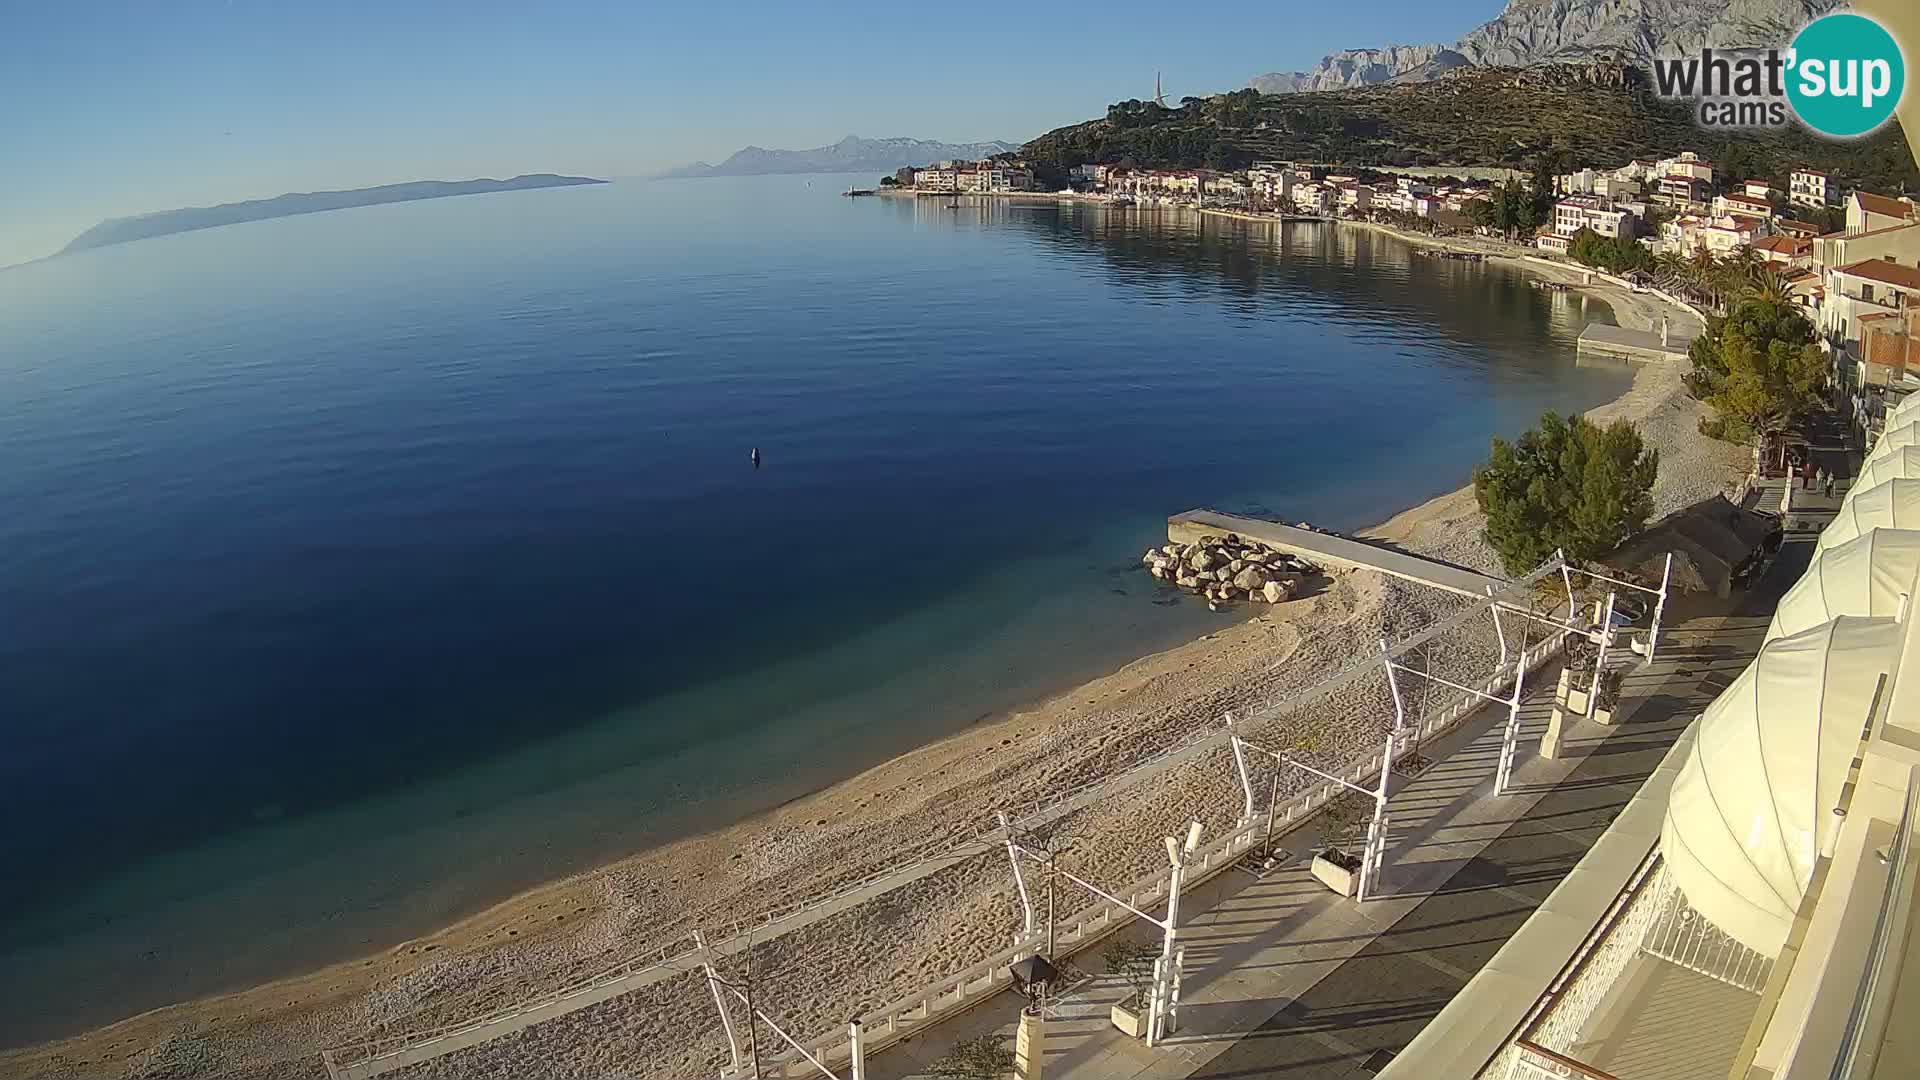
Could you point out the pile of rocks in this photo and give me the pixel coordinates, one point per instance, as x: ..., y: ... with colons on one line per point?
x: 1228, y: 568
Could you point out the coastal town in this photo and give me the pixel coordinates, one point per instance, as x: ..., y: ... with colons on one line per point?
x: 1847, y: 257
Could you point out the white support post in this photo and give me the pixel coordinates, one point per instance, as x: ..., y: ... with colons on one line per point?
x: 1019, y: 881
x: 1566, y: 578
x: 1659, y: 608
x: 780, y: 1031
x: 1373, y: 856
x: 719, y: 1001
x: 1240, y: 767
x: 1498, y: 631
x: 1399, y: 710
x: 857, y: 1050
x: 1173, y: 1008
x: 1165, y: 974
x: 1600, y: 660
x: 1510, y: 741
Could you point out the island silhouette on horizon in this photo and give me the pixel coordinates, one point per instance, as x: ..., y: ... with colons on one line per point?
x: 167, y: 222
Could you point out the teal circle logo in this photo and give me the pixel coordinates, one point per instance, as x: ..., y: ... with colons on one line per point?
x: 1845, y: 75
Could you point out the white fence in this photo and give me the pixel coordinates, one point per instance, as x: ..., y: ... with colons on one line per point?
x: 1570, y: 1003
x: 382, y: 1054
x: 1075, y: 932
x: 1683, y: 936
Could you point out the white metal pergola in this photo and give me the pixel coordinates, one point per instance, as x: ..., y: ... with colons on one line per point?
x: 747, y: 1064
x: 1601, y: 633
x: 1373, y: 853
x: 1163, y: 999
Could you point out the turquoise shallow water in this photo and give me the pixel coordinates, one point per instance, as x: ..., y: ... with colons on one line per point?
x: 364, y: 568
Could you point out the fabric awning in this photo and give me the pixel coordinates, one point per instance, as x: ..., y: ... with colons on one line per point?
x: 1867, y: 576
x: 1752, y: 805
x: 1905, y: 411
x: 1891, y: 505
x: 1894, y: 438
x: 1901, y: 464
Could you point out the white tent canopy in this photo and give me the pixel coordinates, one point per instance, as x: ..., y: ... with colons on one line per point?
x: 1752, y: 806
x: 1894, y: 504
x: 1906, y: 412
x: 1901, y: 464
x: 1907, y: 434
x: 1870, y: 575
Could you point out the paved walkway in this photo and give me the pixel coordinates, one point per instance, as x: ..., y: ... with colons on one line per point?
x: 1284, y: 979
x: 1331, y: 549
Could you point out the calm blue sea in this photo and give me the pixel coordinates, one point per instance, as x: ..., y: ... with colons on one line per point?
x: 360, y: 569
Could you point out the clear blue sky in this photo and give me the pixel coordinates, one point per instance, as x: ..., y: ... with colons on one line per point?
x: 117, y: 108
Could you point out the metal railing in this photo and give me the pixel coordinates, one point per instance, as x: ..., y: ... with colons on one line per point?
x: 1558, y: 1018
x: 372, y: 1057
x: 1683, y: 936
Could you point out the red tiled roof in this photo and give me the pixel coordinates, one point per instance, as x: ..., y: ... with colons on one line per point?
x: 1885, y: 271
x: 1783, y: 245
x: 1884, y: 206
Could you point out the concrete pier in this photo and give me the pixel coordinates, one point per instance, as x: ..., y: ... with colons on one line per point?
x: 1327, y: 549
x: 1607, y: 340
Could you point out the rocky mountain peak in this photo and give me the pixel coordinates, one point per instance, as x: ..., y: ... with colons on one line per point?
x: 1531, y: 32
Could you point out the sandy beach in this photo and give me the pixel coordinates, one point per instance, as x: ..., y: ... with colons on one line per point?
x: 817, y: 977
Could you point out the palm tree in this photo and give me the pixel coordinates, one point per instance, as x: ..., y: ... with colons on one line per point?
x: 1743, y: 266
x: 1670, y: 270
x: 1770, y: 286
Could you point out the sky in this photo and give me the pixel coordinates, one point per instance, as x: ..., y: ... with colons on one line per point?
x: 109, y: 109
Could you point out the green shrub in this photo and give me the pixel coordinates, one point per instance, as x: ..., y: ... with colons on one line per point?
x: 1568, y: 485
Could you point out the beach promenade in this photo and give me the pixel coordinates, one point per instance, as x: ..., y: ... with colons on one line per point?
x: 1285, y: 979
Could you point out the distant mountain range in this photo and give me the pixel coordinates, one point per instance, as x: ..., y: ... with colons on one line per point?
x: 1563, y: 31
x: 851, y: 154
x: 167, y: 222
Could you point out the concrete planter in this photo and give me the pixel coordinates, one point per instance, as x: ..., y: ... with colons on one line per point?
x: 1577, y: 702
x: 1131, y: 1024
x: 1336, y: 877
x: 1602, y: 715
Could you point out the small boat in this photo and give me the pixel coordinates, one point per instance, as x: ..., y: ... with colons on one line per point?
x: 854, y: 191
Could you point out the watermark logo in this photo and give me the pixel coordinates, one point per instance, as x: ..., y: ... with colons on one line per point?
x: 1843, y: 76
x: 1848, y: 75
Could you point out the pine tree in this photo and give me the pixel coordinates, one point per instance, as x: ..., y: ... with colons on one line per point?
x: 1569, y: 485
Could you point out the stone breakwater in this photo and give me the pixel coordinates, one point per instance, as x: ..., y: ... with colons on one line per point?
x: 1228, y: 568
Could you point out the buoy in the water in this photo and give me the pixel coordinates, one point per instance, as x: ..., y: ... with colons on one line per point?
x: 756, y: 457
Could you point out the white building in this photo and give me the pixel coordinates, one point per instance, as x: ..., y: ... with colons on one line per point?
x: 1578, y: 182
x: 1577, y: 212
x: 1687, y: 164
x: 1743, y: 204
x: 940, y: 176
x: 1877, y: 227
x: 1863, y: 289
x: 1090, y: 175
x: 1313, y: 198
x: 1867, y: 212
x: 1271, y: 181
x: 1811, y: 187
